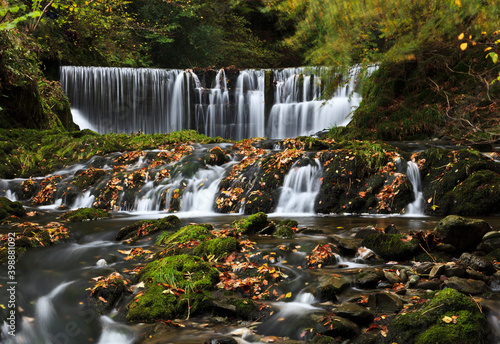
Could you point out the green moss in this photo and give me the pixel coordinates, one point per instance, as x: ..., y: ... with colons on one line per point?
x: 252, y: 224
x: 39, y: 152
x: 479, y: 194
x: 284, y: 232
x: 188, y: 278
x: 9, y: 208
x: 146, y: 227
x: 218, y: 247
x: 391, y: 246
x: 84, y: 214
x: 152, y: 305
x: 198, y: 232
x: 426, y: 325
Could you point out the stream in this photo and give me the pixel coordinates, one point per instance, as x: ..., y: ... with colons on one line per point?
x: 52, y: 282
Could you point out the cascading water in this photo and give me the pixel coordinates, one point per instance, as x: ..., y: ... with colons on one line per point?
x: 299, y: 109
x: 300, y: 188
x: 126, y: 99
x: 413, y: 174
x: 249, y: 103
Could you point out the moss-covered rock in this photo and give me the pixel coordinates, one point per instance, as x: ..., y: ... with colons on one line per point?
x: 216, y: 248
x: 362, y: 177
x: 461, y: 232
x: 88, y: 177
x: 9, y: 208
x: 175, y: 286
x: 459, y: 182
x: 146, y: 227
x: 253, y: 224
x: 391, y: 246
x: 449, y: 318
x: 197, y: 233
x: 84, y: 214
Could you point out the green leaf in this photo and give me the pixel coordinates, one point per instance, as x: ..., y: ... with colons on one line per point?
x: 494, y: 57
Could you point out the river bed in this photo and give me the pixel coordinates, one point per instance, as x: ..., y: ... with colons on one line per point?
x: 53, y: 282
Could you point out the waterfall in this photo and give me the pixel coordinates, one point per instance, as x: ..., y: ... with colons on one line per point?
x: 230, y: 104
x: 299, y: 109
x: 300, y: 188
x: 124, y: 100
x: 413, y: 174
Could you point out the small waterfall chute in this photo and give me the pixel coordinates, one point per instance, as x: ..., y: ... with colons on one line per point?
x: 416, y: 208
x: 300, y: 188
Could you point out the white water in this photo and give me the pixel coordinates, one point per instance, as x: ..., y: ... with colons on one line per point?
x: 415, y: 208
x: 115, y: 333
x: 298, y: 108
x: 160, y: 101
x: 81, y: 121
x: 38, y: 329
x: 300, y: 188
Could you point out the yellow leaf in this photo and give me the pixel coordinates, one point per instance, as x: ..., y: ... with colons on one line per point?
x: 463, y: 46
x: 461, y: 36
x: 288, y: 295
x: 489, y: 48
x: 447, y: 319
x: 458, y: 3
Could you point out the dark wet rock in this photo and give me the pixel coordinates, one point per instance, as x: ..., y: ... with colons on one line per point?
x: 425, y: 325
x: 454, y: 270
x: 221, y: 340
x: 391, y: 229
x: 362, y: 232
x: 108, y: 290
x: 391, y: 277
x: 446, y: 248
x: 428, y: 285
x: 385, y: 302
x: 463, y: 233
x: 466, y: 286
x: 145, y: 227
x: 385, y: 285
x: 329, y: 286
x: 480, y: 264
x: 437, y: 270
x: 9, y: 208
x: 231, y: 305
x: 391, y: 246
x: 369, y: 277
x: 309, y: 231
x: 217, y: 157
x: 491, y: 241
x: 413, y: 280
x: 355, y: 313
x: 424, y: 268
x: 476, y: 275
x: 348, y: 246
x: 335, y: 326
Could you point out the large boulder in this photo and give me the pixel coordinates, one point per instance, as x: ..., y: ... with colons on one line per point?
x: 463, y: 233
